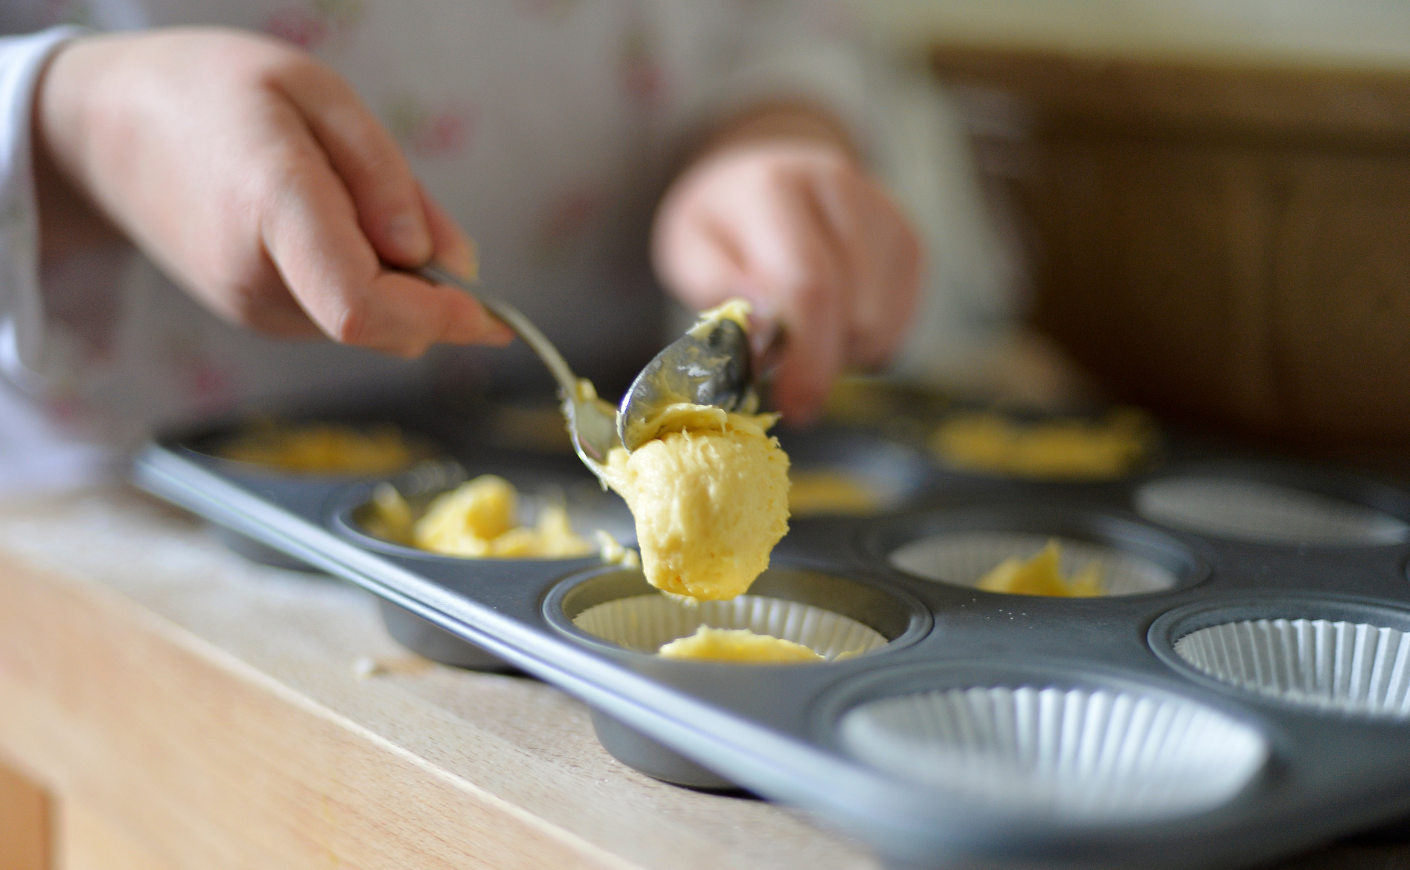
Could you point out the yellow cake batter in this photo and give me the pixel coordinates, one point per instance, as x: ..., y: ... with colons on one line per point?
x: 1040, y: 575
x: 824, y: 491
x: 709, y: 492
x: 478, y: 519
x: 710, y: 497
x: 737, y: 645
x: 322, y: 448
x: 1052, y: 449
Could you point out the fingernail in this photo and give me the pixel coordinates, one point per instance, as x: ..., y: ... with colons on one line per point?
x: 409, y: 236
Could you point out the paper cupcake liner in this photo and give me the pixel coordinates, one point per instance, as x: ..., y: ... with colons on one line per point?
x: 1259, y: 512
x: 963, y: 558
x: 1344, y: 666
x: 1074, y: 754
x: 645, y: 622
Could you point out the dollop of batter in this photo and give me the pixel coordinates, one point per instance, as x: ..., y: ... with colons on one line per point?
x: 478, y: 519
x: 826, y: 491
x: 1040, y: 575
x: 710, y: 496
x: 321, y: 448
x: 1063, y: 449
x: 737, y: 645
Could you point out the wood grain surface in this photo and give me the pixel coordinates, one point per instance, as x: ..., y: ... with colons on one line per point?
x: 25, y: 815
x: 1224, y: 245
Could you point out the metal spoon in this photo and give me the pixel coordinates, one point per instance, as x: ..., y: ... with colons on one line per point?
x: 592, y: 423
x: 709, y: 365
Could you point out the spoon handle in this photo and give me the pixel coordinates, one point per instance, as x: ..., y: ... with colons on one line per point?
x: 515, y: 320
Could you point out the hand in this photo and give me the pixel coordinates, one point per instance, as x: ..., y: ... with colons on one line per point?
x: 797, y: 227
x: 257, y: 180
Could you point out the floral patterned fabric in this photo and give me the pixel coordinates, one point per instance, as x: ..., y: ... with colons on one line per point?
x: 546, y: 127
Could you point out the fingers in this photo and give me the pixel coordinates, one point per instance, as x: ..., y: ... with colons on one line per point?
x: 802, y: 232
x: 452, y: 248
x: 882, y: 263
x: 696, y: 255
x: 456, y: 251
x: 343, y: 215
x: 311, y: 232
x: 807, y: 279
x: 363, y: 154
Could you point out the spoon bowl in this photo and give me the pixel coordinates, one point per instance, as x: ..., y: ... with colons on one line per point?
x: 709, y: 365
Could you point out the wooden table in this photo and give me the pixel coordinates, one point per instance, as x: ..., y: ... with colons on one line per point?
x: 165, y: 704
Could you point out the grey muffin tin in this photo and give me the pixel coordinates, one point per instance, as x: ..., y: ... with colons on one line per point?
x: 1243, y: 698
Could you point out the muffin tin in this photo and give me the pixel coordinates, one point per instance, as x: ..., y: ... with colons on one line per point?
x: 1243, y: 693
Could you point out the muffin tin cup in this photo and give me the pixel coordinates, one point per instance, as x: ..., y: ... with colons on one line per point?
x: 654, y: 758
x: 255, y: 551
x: 645, y: 622
x: 420, y: 484
x: 1274, y: 507
x: 618, y: 610
x: 1328, y: 655
x: 347, y: 513
x: 891, y: 474
x: 430, y: 641
x: 1055, y: 745
x: 960, y: 547
x: 829, y: 613
x: 420, y: 450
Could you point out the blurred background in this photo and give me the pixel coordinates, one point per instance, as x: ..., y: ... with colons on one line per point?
x: 1200, y: 207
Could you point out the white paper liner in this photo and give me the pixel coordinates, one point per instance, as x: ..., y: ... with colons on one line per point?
x: 1249, y: 510
x: 1344, y: 666
x: 963, y: 558
x: 645, y: 622
x: 1074, y: 754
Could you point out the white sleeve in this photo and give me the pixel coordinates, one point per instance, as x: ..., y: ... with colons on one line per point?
x: 724, y: 57
x: 972, y: 286
x: 21, y: 312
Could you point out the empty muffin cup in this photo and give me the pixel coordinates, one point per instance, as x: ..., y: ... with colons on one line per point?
x: 1349, y: 667
x: 1077, y: 754
x: 1265, y: 512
